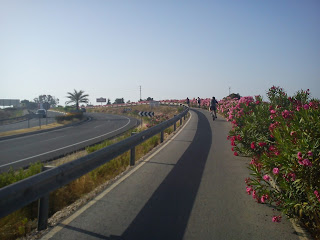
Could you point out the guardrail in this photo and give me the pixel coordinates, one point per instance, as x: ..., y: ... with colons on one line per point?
x: 14, y: 120
x: 20, y: 194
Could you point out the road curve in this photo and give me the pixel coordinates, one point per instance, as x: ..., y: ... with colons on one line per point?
x: 21, y: 151
x: 191, y: 189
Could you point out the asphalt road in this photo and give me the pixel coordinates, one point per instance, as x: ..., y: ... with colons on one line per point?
x: 21, y: 151
x: 193, y: 189
x: 30, y: 123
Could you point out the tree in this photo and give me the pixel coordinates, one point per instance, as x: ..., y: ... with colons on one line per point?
x: 234, y: 95
x: 149, y: 99
x: 108, y: 103
x: 119, y: 101
x: 77, y: 98
x: 47, y: 99
x: 29, y: 105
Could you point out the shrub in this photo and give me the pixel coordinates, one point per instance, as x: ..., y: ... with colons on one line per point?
x: 282, y: 138
x: 69, y: 117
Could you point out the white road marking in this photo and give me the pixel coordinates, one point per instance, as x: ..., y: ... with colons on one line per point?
x: 58, y: 228
x: 21, y: 160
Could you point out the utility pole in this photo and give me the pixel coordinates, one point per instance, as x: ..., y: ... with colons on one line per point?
x: 229, y: 91
x: 140, y: 94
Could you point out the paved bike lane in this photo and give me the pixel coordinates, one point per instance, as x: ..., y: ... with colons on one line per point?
x: 193, y: 188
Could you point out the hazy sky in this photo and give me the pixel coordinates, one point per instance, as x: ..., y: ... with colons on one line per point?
x: 173, y: 49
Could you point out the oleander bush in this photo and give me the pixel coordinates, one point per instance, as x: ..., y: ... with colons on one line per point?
x: 282, y: 138
x: 69, y: 117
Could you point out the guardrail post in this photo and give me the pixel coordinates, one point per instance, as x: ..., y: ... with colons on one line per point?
x: 180, y: 121
x: 43, y: 207
x: 161, y: 136
x: 39, y: 122
x: 133, y: 153
x: 174, y: 125
x: 184, y: 117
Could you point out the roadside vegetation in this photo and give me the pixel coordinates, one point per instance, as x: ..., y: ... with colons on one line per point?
x: 282, y: 139
x: 23, y: 221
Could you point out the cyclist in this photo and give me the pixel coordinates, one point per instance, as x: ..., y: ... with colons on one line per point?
x: 213, y: 107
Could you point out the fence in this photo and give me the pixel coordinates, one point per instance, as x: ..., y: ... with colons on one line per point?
x: 20, y: 194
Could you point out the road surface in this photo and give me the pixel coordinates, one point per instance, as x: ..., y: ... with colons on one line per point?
x: 193, y: 189
x: 21, y: 151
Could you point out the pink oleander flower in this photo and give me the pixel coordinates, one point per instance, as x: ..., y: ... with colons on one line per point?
x: 273, y: 111
x: 264, y: 198
x: 310, y: 153
x: 262, y: 144
x: 254, y: 195
x: 287, y: 114
x: 317, y: 195
x: 266, y: 177
x: 298, y: 108
x: 299, y: 155
x: 252, y: 145
x: 276, y: 219
x: 249, y: 190
x: 306, y: 162
x: 275, y: 171
x: 235, y: 153
x: 293, y: 176
x: 306, y: 106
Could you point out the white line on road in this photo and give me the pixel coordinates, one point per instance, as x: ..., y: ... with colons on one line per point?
x: 21, y: 160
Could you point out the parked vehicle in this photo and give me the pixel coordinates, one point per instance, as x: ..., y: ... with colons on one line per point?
x: 41, y: 113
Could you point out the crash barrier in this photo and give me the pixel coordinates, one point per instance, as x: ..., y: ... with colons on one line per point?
x: 22, y: 193
x: 15, y: 120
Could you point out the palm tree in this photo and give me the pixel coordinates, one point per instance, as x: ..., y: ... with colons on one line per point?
x: 77, y: 97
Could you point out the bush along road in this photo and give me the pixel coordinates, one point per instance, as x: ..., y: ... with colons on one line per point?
x: 282, y: 139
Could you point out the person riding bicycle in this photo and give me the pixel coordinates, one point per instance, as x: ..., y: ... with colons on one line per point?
x: 213, y: 106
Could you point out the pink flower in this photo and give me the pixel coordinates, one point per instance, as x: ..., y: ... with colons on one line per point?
x: 253, y: 146
x: 249, y: 190
x: 254, y: 195
x: 299, y: 155
x: 317, y: 195
x: 272, y: 111
x: 262, y: 144
x: 276, y: 219
x: 306, y: 162
x: 264, y: 198
x: 266, y: 177
x: 306, y: 106
x: 235, y: 153
x: 275, y: 171
x: 287, y: 114
x: 310, y: 153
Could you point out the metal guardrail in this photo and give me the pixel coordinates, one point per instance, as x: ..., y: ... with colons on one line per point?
x: 14, y: 120
x: 22, y: 193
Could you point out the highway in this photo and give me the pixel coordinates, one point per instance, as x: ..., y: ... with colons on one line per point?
x: 191, y: 188
x: 31, y: 123
x: 21, y: 151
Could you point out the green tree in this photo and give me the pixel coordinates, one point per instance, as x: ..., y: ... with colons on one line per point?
x: 77, y: 98
x: 119, y: 101
x: 47, y: 99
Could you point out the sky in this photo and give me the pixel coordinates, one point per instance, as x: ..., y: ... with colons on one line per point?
x: 172, y: 49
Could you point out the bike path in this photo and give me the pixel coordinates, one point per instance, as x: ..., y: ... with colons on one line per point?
x: 191, y: 189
